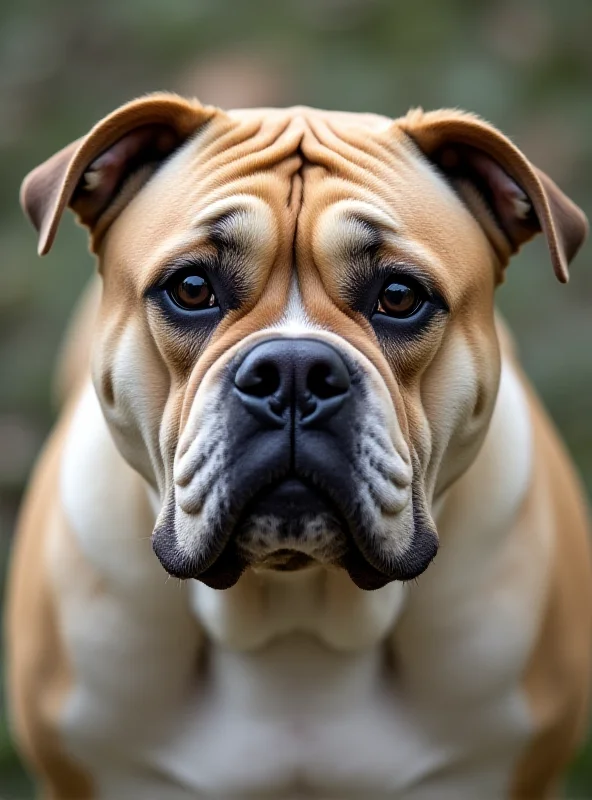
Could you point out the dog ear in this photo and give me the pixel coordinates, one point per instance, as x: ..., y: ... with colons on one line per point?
x: 88, y: 174
x: 502, y: 188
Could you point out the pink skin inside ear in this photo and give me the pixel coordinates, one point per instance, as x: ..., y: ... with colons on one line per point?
x: 510, y: 203
x: 104, y: 176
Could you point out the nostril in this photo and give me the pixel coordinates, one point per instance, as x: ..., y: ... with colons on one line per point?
x: 285, y: 379
x: 326, y: 380
x: 258, y: 380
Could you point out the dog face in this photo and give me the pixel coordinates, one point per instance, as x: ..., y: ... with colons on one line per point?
x: 296, y: 345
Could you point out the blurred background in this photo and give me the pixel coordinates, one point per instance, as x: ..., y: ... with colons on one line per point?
x: 524, y: 65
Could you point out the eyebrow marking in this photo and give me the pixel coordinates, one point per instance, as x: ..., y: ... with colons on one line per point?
x: 225, y: 232
x: 354, y: 226
x: 362, y: 237
x: 241, y: 224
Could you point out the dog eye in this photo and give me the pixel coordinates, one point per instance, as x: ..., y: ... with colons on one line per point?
x: 191, y: 291
x: 400, y: 298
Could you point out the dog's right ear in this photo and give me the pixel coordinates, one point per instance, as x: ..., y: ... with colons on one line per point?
x: 506, y: 193
x: 88, y: 174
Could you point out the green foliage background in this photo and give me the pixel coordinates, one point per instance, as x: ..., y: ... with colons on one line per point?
x: 526, y: 65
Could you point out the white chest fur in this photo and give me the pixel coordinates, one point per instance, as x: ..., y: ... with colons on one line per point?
x: 293, y: 688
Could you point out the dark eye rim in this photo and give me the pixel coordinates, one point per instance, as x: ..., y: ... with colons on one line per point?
x: 422, y: 296
x: 173, y: 285
x: 174, y: 281
x: 363, y: 296
x: 227, y: 284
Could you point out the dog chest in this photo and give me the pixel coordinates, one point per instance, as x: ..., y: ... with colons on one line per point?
x: 302, y: 702
x: 296, y: 720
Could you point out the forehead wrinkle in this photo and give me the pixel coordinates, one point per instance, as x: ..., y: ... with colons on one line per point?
x: 368, y: 121
x: 379, y: 166
x: 351, y: 226
x: 244, y: 232
x: 324, y: 146
x: 354, y: 145
x: 261, y: 151
x: 222, y: 138
x: 254, y: 142
x: 389, y: 147
x: 248, y: 229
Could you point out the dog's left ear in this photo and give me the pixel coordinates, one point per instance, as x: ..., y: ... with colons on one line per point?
x: 88, y: 174
x: 502, y: 188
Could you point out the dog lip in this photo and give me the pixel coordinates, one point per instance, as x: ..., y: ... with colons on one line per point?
x: 375, y: 571
x: 286, y: 560
x: 290, y: 497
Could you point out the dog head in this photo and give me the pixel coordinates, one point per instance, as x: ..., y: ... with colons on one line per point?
x: 296, y: 345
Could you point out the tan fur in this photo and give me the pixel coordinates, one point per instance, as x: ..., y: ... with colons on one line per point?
x: 558, y: 674
x: 39, y: 672
x: 74, y: 358
x: 298, y: 177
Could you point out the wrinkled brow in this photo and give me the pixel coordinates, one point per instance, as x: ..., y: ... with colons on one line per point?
x: 361, y: 238
x: 242, y: 225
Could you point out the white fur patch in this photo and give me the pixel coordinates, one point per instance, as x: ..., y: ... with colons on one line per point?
x: 92, y: 180
x: 295, y: 320
x: 522, y: 206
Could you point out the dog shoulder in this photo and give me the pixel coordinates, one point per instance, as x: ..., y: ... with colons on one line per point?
x: 38, y: 668
x: 556, y: 676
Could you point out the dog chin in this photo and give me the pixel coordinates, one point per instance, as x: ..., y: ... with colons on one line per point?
x: 291, y: 525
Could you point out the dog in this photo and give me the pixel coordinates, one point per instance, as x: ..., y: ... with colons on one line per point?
x: 300, y: 401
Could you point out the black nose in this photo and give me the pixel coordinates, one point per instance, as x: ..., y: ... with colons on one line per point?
x: 307, y: 376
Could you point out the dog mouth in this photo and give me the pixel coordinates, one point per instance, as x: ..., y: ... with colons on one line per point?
x: 286, y: 560
x: 335, y: 495
x: 290, y: 525
x: 288, y: 498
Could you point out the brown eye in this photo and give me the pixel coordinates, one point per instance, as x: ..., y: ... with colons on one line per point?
x: 400, y: 300
x: 192, y: 292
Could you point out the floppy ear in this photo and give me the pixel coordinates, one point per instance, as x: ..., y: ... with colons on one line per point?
x: 88, y: 174
x: 507, y: 194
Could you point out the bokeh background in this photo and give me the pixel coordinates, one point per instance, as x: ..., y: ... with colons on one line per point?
x: 525, y: 65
